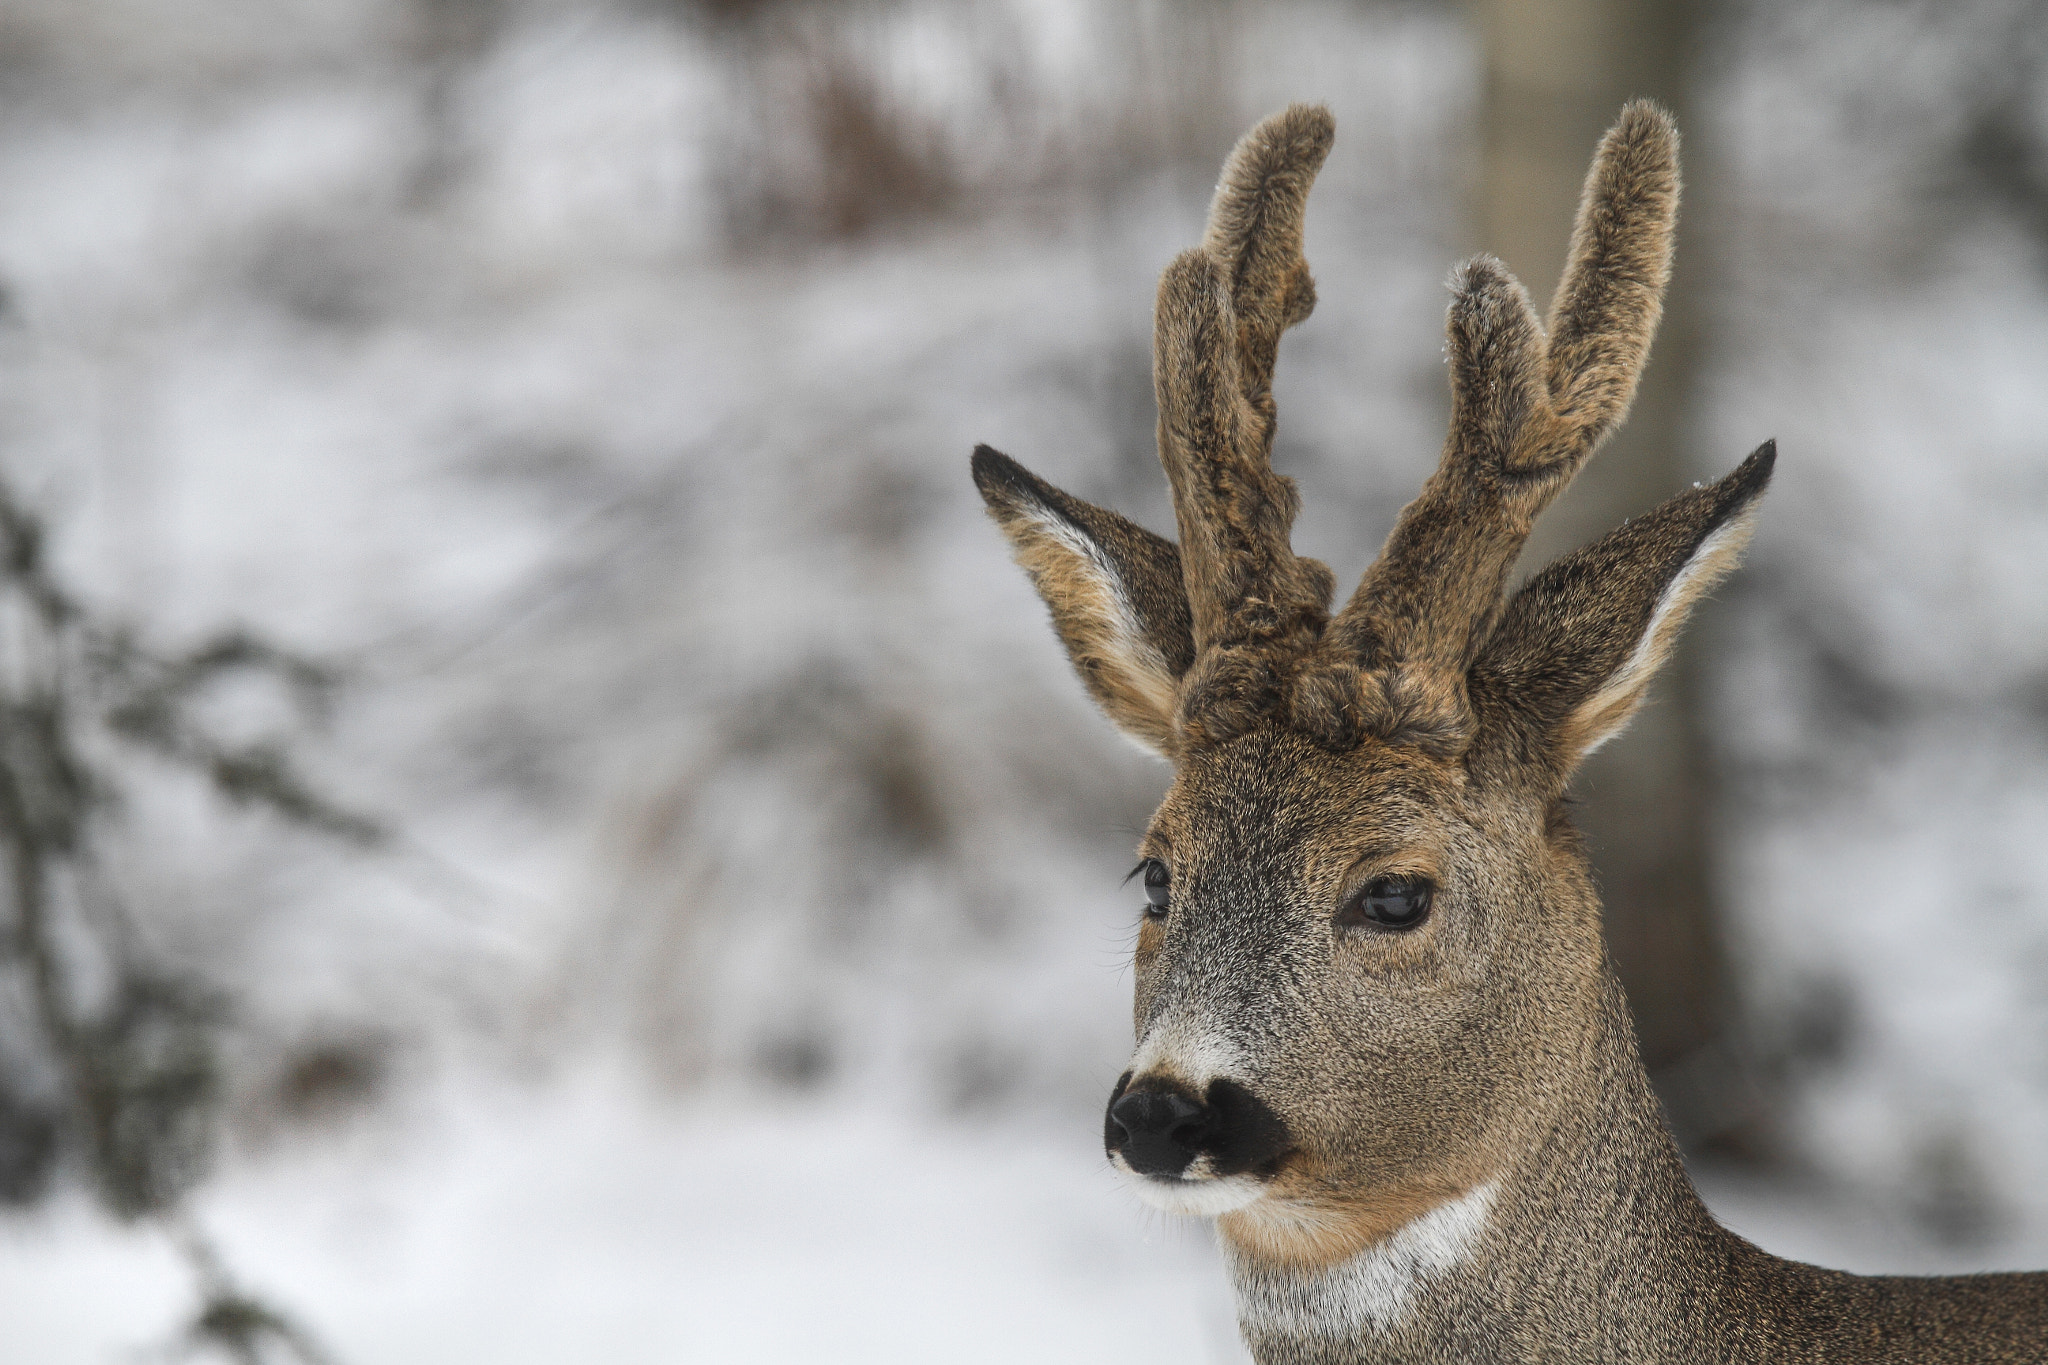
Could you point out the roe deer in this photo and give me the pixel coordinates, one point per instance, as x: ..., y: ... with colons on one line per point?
x: 1379, y: 1039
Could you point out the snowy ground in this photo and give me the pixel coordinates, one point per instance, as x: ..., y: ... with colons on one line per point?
x: 539, y: 1226
x: 591, y: 1225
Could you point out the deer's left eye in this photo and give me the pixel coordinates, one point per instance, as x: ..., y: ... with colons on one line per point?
x: 1388, y: 903
x: 1158, y: 887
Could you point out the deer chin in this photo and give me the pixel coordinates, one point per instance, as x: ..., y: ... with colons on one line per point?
x: 1299, y: 1227
x: 1196, y: 1193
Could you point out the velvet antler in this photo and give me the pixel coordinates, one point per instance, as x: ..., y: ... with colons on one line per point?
x: 1193, y: 644
x: 1527, y: 410
x: 1256, y: 605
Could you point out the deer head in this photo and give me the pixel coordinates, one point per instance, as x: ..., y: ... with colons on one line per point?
x: 1370, y: 972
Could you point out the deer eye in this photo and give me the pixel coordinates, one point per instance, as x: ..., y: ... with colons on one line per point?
x: 1158, y: 887
x: 1388, y: 903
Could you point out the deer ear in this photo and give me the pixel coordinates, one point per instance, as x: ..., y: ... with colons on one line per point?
x: 1575, y: 651
x: 1115, y: 590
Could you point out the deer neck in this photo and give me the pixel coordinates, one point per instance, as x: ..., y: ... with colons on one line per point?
x: 1595, y: 1235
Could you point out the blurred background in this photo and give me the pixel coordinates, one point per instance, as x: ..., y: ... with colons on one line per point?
x: 542, y: 824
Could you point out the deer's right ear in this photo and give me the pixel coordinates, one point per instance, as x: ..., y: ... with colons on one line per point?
x: 1115, y: 591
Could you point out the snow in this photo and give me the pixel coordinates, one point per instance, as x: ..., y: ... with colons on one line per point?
x: 589, y: 1224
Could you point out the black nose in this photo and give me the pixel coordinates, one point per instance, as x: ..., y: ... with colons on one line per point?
x: 1157, y: 1131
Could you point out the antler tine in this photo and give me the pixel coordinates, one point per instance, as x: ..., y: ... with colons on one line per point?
x: 1216, y: 329
x: 1255, y: 232
x: 1526, y: 412
x: 1611, y: 296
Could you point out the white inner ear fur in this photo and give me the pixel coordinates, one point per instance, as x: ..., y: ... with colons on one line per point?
x: 1118, y: 638
x: 1608, y: 711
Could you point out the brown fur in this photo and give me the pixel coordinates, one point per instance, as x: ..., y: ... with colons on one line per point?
x: 1090, y: 565
x: 1428, y: 731
x: 1526, y: 412
x: 1305, y: 1225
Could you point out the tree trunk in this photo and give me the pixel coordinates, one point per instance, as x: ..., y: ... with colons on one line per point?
x: 1557, y: 72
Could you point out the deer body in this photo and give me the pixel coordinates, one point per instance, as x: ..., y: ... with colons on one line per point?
x: 1378, y: 1036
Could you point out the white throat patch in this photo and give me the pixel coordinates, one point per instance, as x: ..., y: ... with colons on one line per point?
x: 1371, y: 1289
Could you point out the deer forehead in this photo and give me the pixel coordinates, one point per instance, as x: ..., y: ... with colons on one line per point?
x: 1271, y: 810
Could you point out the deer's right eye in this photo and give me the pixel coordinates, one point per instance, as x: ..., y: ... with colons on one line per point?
x: 1158, y: 887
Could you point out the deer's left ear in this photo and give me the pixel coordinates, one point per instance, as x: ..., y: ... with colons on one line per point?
x: 1576, y: 648
x: 1115, y: 590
